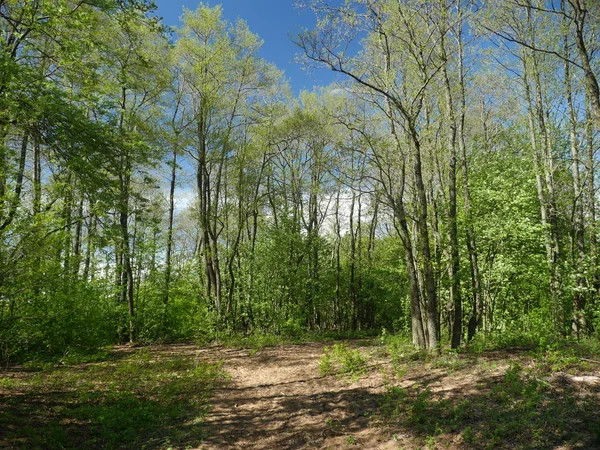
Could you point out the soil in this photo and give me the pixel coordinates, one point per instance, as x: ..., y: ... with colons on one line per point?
x: 277, y: 400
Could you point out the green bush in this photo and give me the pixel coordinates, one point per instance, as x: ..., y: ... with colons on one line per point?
x: 342, y: 360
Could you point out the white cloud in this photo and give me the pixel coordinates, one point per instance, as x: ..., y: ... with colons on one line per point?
x: 185, y: 197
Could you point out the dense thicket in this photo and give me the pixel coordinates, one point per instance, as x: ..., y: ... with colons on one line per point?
x: 158, y: 185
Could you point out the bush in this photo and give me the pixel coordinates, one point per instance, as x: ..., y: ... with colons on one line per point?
x: 341, y: 360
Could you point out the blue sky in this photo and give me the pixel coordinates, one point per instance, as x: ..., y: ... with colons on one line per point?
x: 273, y: 21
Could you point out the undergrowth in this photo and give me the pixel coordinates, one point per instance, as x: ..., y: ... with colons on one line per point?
x: 142, y: 400
x: 341, y: 360
x: 515, y: 400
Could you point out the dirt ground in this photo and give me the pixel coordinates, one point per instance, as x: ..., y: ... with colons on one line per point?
x: 277, y: 400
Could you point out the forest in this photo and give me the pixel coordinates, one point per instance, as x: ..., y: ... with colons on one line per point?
x: 165, y: 185
x: 194, y: 255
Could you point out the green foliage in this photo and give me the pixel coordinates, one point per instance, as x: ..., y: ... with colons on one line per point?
x: 343, y: 361
x: 513, y: 339
x: 142, y: 399
x: 62, y: 320
x: 518, y: 409
x: 93, y: 96
x: 401, y: 349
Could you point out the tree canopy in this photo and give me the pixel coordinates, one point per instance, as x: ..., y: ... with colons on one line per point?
x: 162, y: 184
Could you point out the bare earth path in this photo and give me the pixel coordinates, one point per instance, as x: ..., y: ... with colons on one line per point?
x: 277, y: 400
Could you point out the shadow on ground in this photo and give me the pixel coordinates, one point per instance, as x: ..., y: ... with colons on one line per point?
x: 178, y: 397
x: 292, y: 421
x: 515, y: 409
x: 136, y: 400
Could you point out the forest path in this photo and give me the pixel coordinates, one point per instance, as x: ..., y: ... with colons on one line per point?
x: 277, y: 400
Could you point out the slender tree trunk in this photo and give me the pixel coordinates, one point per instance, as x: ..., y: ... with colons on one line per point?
x: 3, y: 157
x: 543, y: 165
x: 580, y: 13
x: 234, y: 251
x: 549, y: 169
x: 592, y: 91
x: 417, y: 326
x: 371, y: 305
x: 578, y: 238
x: 78, y: 239
x: 373, y: 227
x: 590, y: 188
x: 338, y: 267
x: 476, y: 320
x: 432, y: 319
x: 67, y: 216
x: 359, y: 266
x: 455, y: 294
x: 37, y: 177
x: 127, y: 285
x: 353, y: 294
x: 127, y: 278
x: 16, y: 200
x: 169, y: 249
x: 206, y: 247
x: 418, y: 329
x: 88, y: 271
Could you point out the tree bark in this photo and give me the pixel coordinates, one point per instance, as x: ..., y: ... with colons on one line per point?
x: 169, y: 249
x: 455, y: 293
x: 578, y: 238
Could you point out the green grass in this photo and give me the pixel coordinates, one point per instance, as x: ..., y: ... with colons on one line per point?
x: 523, y: 407
x: 141, y: 400
x: 341, y: 360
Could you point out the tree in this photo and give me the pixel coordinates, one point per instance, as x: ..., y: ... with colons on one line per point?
x: 569, y: 27
x: 399, y: 64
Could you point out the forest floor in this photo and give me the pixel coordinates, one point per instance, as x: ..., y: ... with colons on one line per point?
x: 358, y: 394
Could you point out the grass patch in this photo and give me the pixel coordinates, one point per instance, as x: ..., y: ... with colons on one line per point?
x: 140, y: 400
x: 339, y: 359
x: 451, y: 361
x: 521, y: 408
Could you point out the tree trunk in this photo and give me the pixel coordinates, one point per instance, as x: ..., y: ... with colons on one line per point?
x: 169, y: 249
x: 206, y: 244
x: 578, y: 238
x: 16, y: 200
x: 127, y: 278
x: 338, y: 267
x: 543, y: 165
x: 417, y: 327
x: 78, y: 239
x: 88, y: 270
x: 353, y: 293
x: 476, y: 320
x: 455, y: 294
x: 432, y: 319
x: 591, y: 81
x: 590, y: 188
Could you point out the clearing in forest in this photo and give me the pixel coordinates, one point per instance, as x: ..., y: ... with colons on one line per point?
x: 358, y: 394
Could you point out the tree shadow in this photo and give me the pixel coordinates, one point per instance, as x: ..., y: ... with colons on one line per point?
x: 134, y: 401
x: 291, y: 421
x: 515, y: 410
